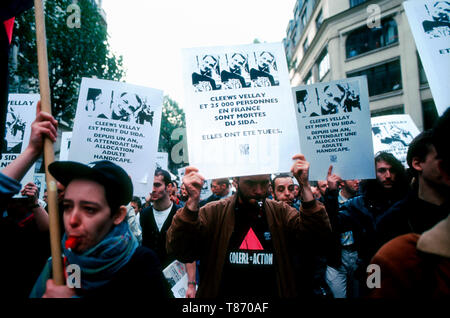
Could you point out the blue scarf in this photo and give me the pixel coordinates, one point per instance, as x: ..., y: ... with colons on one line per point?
x: 99, y: 264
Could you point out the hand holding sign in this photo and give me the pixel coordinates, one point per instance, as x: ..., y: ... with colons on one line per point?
x: 300, y: 170
x: 43, y: 126
x: 31, y: 190
x: 333, y: 180
x: 193, y: 182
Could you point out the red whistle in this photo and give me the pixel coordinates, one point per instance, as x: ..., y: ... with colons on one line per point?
x: 72, y: 242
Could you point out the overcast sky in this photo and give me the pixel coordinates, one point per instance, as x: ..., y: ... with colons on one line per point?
x: 151, y: 34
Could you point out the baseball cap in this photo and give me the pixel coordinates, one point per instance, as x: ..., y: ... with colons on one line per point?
x: 115, y: 180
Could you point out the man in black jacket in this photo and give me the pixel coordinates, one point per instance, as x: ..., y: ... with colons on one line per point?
x: 427, y: 203
x: 155, y: 220
x: 357, y: 217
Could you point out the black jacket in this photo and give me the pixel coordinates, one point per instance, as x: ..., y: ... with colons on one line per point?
x: 153, y: 238
x: 410, y: 215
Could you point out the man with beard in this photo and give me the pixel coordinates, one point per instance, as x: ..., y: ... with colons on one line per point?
x: 233, y: 78
x: 242, y: 241
x: 357, y: 218
x: 334, y: 95
x: 338, y: 99
x: 126, y: 107
x: 204, y: 81
x: 413, y: 265
x: 261, y: 76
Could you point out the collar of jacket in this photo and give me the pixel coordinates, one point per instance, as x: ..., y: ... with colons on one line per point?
x: 437, y: 239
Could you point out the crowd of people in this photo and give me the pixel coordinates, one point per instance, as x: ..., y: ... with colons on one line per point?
x: 280, y: 236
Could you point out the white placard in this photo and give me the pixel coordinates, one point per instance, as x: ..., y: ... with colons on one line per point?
x: 20, y: 115
x: 66, y: 138
x: 239, y: 114
x: 206, y: 190
x: 176, y: 275
x: 334, y: 128
x: 39, y: 181
x: 430, y: 26
x: 181, y: 173
x: 118, y: 122
x: 162, y: 160
x: 393, y: 133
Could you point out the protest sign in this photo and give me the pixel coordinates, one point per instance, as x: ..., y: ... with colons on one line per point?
x: 393, y: 133
x: 20, y: 115
x: 162, y: 160
x: 181, y: 172
x: 118, y: 122
x: 39, y: 181
x: 176, y: 275
x: 65, y: 145
x: 429, y: 22
x: 239, y: 113
x: 334, y: 128
x: 206, y: 189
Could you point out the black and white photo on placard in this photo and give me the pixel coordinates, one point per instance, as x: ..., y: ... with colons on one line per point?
x: 305, y: 106
x: 438, y: 24
x: 392, y: 134
x: 236, y: 72
x: 118, y: 105
x: 264, y: 71
x: 339, y: 98
x: 15, y: 131
x: 328, y: 99
x: 207, y: 76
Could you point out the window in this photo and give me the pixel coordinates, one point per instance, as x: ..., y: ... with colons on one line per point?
x: 354, y: 3
x: 308, y: 79
x: 429, y: 114
x: 366, y: 39
x: 323, y: 64
x: 297, y: 9
x: 305, y: 46
x: 422, y: 76
x: 319, y: 20
x: 293, y: 34
x: 304, y: 18
x: 389, y: 111
x: 382, y: 78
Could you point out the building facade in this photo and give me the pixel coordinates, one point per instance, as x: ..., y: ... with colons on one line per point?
x: 334, y: 39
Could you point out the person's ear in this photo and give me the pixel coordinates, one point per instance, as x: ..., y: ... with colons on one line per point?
x: 120, y: 215
x: 416, y: 164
